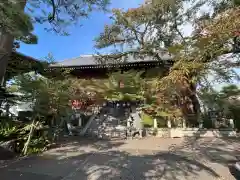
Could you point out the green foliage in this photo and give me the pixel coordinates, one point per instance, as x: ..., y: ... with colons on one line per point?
x: 14, y: 21
x: 7, y: 129
x: 132, y: 90
x: 49, y: 98
x: 152, y: 31
x: 225, y: 101
x: 56, y: 16
x: 20, y: 24
x: 51, y: 101
x: 147, y: 120
x: 207, y: 121
x: 209, y: 97
x: 17, y: 18
x: 18, y: 132
x: 38, y: 145
x: 230, y: 103
x: 215, y: 100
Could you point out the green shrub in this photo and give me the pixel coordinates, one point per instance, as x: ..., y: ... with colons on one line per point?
x: 162, y: 122
x: 8, y: 130
x: 18, y: 133
x: 147, y: 120
x: 207, y: 122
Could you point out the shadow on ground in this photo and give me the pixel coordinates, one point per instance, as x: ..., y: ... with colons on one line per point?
x: 222, y: 151
x: 100, y: 160
x: 115, y: 165
x: 218, y: 150
x: 73, y: 143
x: 6, y: 154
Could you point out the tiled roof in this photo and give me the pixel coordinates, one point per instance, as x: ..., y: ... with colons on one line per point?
x: 90, y: 60
x: 20, y: 63
x: 25, y: 57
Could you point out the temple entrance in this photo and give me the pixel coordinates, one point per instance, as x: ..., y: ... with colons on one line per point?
x: 113, y: 119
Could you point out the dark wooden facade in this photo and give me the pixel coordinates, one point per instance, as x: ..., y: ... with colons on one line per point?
x: 87, y: 68
x: 20, y: 63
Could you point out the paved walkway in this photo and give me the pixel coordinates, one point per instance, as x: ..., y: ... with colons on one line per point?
x: 150, y: 159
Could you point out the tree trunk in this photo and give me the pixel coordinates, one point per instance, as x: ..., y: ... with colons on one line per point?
x: 6, y: 46
x: 190, y: 105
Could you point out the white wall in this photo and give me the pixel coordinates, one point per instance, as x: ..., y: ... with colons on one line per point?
x: 191, y: 132
x: 20, y: 107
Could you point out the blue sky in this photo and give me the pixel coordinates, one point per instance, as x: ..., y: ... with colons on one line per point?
x: 80, y: 41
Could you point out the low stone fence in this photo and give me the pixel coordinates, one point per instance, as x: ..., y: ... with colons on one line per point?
x: 189, y: 132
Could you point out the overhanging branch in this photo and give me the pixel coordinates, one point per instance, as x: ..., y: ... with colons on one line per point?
x: 52, y: 17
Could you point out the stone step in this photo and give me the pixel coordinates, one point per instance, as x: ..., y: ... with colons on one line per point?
x: 106, y: 133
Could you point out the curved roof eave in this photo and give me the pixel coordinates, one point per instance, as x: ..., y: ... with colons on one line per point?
x: 91, y: 60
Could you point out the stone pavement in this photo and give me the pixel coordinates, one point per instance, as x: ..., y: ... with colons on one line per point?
x: 148, y: 159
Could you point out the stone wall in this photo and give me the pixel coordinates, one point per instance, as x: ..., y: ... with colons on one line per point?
x: 185, y: 132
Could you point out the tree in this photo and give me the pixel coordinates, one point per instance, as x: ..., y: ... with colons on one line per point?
x: 226, y: 101
x: 50, y: 100
x: 153, y: 31
x: 125, y: 87
x: 17, y: 25
x: 229, y: 102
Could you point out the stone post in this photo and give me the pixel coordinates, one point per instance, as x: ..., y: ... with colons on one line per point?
x: 231, y: 122
x: 128, y: 123
x: 200, y: 124
x: 184, y: 123
x: 69, y: 125
x: 169, y: 124
x: 155, y: 125
x: 79, y: 119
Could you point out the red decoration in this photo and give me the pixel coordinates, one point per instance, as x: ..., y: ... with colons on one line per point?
x: 76, y: 104
x: 237, y: 33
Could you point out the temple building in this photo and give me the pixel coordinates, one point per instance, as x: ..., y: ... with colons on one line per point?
x: 107, y: 122
x: 89, y: 66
